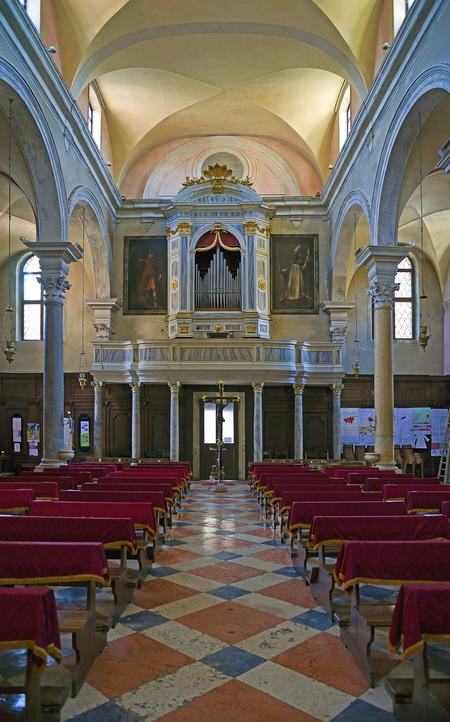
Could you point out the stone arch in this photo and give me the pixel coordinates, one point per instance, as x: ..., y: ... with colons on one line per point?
x: 39, y: 150
x: 98, y: 237
x: 342, y: 238
x: 422, y: 96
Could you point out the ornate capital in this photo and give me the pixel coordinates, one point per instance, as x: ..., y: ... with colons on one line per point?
x: 382, y: 294
x: 135, y: 386
x: 258, y: 387
x: 298, y: 389
x: 97, y: 385
x: 338, y: 333
x: 54, y: 287
x: 174, y: 387
x: 184, y: 227
x: 103, y: 331
x: 253, y: 227
x: 337, y: 389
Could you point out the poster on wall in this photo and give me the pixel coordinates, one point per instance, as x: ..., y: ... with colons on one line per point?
x: 366, y: 418
x: 33, y: 432
x: 403, y: 427
x: 295, y: 274
x: 84, y: 433
x: 349, y: 426
x: 438, y: 431
x: 145, y: 275
x: 421, y: 428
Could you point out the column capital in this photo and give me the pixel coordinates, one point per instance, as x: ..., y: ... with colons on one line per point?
x: 54, y: 286
x: 97, y: 385
x: 382, y: 294
x: 135, y: 386
x: 258, y: 387
x: 337, y: 389
x: 174, y: 386
x: 104, y: 310
x: 298, y: 388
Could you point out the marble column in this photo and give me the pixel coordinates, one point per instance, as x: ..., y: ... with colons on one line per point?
x: 54, y: 260
x: 298, y: 420
x: 381, y: 263
x: 337, y: 391
x: 258, y: 421
x: 98, y: 418
x: 135, y: 387
x: 174, y: 421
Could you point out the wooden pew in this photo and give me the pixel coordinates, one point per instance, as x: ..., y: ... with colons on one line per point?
x: 420, y: 502
x: 116, y: 535
x: 170, y: 492
x: 62, y: 564
x: 303, y: 513
x: 29, y: 622
x: 421, y: 615
x: 15, y: 501
x: 390, y: 563
x: 399, y: 492
x: 328, y: 534
x: 42, y: 489
x: 91, y: 492
x: 284, y: 497
x: 142, y: 514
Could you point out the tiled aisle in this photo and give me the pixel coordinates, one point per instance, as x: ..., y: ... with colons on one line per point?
x: 225, y: 631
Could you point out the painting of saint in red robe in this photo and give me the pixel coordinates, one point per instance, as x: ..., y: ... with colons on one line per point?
x: 145, y: 282
x: 294, y: 274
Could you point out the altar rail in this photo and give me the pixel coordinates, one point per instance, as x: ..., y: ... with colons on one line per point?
x: 237, y: 360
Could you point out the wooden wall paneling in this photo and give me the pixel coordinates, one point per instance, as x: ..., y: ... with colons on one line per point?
x: 155, y: 411
x: 118, y: 420
x: 278, y: 420
x: 317, y: 421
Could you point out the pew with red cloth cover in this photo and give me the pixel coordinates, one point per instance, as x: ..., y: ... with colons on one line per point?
x: 41, y: 489
x: 157, y: 498
x: 328, y: 533
x: 111, y: 533
x: 114, y: 534
x: 445, y: 509
x: 421, y: 614
x: 335, y: 530
x: 66, y: 474
x: 399, y: 492
x: 376, y: 483
x: 60, y: 564
x: 360, y: 476
x: 29, y: 621
x: 170, y: 491
x: 15, y: 501
x: 142, y: 514
x: 303, y: 513
x: 427, y: 501
x: 62, y: 482
x: 391, y: 563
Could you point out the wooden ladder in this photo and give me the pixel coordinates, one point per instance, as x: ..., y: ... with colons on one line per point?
x: 443, y: 471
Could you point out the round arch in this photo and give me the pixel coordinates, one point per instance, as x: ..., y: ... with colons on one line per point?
x: 422, y: 96
x: 36, y: 142
x: 342, y: 238
x: 98, y: 237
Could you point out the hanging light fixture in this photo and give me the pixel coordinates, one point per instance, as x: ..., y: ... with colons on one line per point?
x: 424, y: 319
x: 82, y: 375
x: 8, y: 330
x: 355, y: 364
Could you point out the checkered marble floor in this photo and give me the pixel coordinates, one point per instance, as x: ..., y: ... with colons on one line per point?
x: 225, y: 629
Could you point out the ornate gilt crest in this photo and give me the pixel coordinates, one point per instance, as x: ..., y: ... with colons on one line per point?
x: 217, y: 175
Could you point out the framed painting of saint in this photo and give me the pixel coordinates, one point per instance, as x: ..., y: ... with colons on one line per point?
x: 145, y: 275
x: 295, y: 274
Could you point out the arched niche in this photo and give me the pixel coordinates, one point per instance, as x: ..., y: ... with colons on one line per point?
x: 354, y: 213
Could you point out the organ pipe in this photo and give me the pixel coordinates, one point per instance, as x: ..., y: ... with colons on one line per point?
x: 217, y: 289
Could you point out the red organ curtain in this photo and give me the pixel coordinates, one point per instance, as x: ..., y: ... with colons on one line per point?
x: 206, y: 247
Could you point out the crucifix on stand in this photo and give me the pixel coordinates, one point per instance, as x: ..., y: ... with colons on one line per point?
x: 221, y: 402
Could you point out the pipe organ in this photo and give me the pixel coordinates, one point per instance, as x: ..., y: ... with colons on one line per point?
x: 218, y: 237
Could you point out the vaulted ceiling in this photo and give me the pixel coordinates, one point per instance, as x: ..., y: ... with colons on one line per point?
x: 170, y: 69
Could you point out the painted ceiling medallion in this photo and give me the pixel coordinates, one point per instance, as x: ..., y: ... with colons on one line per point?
x: 217, y: 174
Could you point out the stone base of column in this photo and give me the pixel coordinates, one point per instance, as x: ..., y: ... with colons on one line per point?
x: 50, y: 464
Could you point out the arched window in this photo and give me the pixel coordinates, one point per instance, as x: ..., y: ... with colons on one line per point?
x: 94, y: 116
x: 31, y: 311
x: 345, y: 117
x: 400, y: 10
x: 404, y: 301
